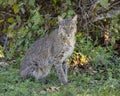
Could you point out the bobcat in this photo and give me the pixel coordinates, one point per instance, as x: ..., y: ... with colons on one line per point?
x: 53, y: 49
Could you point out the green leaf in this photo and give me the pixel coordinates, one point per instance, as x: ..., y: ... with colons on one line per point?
x: 1, y: 52
x: 1, y: 1
x: 64, y: 14
x: 70, y: 12
x: 37, y: 18
x: 16, y: 8
x: 104, y: 3
x: 19, y: 42
x: 31, y: 2
x: 11, y: 20
x: 10, y: 30
x: 11, y: 2
x: 18, y: 18
x: 55, y: 1
x: 68, y: 2
x: 1, y: 21
x: 22, y: 10
x: 10, y: 34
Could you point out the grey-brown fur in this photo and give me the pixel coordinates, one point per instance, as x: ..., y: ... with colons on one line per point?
x: 54, y: 49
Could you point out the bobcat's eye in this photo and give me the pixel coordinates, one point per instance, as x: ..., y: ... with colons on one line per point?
x: 65, y: 28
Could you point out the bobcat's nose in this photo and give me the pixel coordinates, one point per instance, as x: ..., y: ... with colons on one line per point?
x: 68, y: 35
x: 68, y: 32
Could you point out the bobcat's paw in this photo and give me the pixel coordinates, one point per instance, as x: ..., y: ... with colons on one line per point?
x: 47, y: 81
x: 64, y: 82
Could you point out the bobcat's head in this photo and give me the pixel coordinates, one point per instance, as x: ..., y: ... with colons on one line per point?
x: 67, y: 27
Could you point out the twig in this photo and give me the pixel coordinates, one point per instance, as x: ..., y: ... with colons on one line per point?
x: 7, y: 13
x: 6, y: 41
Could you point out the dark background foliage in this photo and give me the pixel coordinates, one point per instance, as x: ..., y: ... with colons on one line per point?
x: 22, y: 22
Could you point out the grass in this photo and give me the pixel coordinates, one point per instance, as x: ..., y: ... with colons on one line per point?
x: 81, y: 84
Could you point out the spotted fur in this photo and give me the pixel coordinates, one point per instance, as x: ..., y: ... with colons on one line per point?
x: 53, y: 50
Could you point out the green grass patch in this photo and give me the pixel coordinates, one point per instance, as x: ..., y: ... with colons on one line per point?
x: 80, y: 84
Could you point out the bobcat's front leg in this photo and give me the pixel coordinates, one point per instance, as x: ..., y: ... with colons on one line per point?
x: 61, y: 73
x: 64, y: 66
x: 28, y: 72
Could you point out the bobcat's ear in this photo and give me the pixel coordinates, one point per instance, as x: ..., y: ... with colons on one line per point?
x: 60, y: 19
x: 75, y: 19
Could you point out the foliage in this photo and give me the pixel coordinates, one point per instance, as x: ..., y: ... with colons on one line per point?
x: 99, y: 55
x: 1, y: 52
x: 26, y: 21
x: 78, y: 59
x: 104, y: 3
